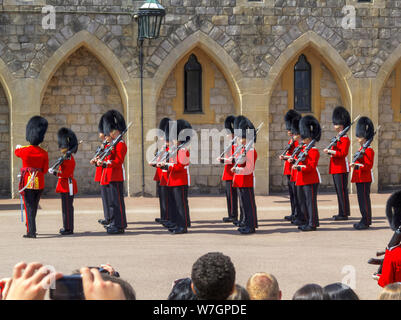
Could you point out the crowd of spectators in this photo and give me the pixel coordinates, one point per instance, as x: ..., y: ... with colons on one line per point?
x: 212, y: 278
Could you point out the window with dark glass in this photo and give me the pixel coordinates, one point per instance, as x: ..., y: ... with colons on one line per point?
x: 303, y: 85
x: 193, y: 85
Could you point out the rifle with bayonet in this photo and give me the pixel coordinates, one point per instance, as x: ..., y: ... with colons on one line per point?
x: 54, y: 168
x: 338, y: 137
x: 358, y: 155
x: 107, y: 151
x: 303, y: 154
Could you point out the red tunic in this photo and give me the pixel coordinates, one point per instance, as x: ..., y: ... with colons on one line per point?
x: 114, y: 170
x: 288, y: 165
x: 338, y: 161
x: 228, y: 175
x: 178, y: 172
x: 245, y: 178
x: 309, y: 174
x: 98, y: 172
x: 391, y: 271
x: 34, y: 157
x: 364, y: 174
x: 65, y: 171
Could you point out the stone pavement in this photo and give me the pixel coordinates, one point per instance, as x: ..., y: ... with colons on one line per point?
x: 151, y: 259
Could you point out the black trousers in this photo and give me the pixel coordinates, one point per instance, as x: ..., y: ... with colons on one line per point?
x: 104, y: 192
x: 232, y: 200
x: 31, y: 202
x: 67, y: 202
x: 308, y: 203
x: 293, y: 196
x: 166, y: 202
x: 181, y: 213
x: 118, y: 217
x: 363, y: 192
x: 248, y: 205
x: 341, y: 184
x: 301, y: 212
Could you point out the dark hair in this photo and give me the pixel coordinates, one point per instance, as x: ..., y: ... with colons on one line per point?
x: 239, y: 293
x: 339, y: 291
x: 213, y: 276
x: 182, y: 290
x: 129, y: 292
x: 309, y: 292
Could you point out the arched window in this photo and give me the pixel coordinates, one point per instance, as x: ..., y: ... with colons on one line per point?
x: 302, y: 85
x: 193, y: 85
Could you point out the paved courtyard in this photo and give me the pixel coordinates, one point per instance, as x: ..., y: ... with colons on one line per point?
x: 151, y: 259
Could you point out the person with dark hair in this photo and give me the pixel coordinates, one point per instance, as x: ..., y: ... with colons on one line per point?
x: 362, y: 173
x: 231, y: 192
x: 308, y: 176
x: 67, y: 185
x: 239, y: 293
x: 289, y: 117
x: 182, y: 290
x: 35, y: 163
x: 244, y: 176
x: 339, y: 167
x: 213, y: 276
x: 339, y: 291
x: 114, y: 175
x: 309, y: 292
x: 104, y: 189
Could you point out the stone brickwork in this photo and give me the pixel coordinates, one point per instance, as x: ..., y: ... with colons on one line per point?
x: 278, y: 133
x: 5, y: 171
x: 389, y: 155
x: 205, y: 179
x: 80, y: 91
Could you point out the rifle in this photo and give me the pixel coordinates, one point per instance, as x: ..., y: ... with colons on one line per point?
x: 112, y: 145
x: 303, y: 154
x: 99, y: 150
x: 297, y: 150
x: 248, y: 146
x: 228, y: 147
x: 157, y: 155
x: 337, y: 138
x: 60, y: 160
x: 289, y: 146
x: 358, y: 155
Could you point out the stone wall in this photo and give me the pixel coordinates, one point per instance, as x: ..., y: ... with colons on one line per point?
x: 205, y: 179
x: 5, y: 172
x: 330, y: 97
x: 80, y: 91
x: 389, y: 155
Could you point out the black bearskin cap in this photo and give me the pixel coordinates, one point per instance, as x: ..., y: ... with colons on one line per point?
x: 289, y: 116
x: 295, y: 126
x: 341, y: 116
x: 36, y: 130
x: 309, y: 127
x: 246, y: 125
x: 67, y: 139
x: 229, y: 123
x: 365, y: 128
x: 100, y: 125
x: 393, y: 210
x: 113, y: 120
x: 181, y: 126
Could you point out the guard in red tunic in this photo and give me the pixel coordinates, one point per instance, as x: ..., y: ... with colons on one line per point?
x: 178, y: 177
x: 113, y: 173
x: 339, y: 167
x: 67, y: 185
x: 104, y: 189
x: 390, y: 270
x: 35, y: 163
x: 308, y: 176
x: 231, y: 192
x: 289, y: 117
x: 243, y: 170
x: 362, y: 173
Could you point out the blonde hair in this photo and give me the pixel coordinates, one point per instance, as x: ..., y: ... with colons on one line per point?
x: 391, y: 292
x: 263, y: 286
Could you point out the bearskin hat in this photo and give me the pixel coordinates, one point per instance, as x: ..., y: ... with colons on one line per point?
x: 365, y: 128
x: 229, y: 123
x: 295, y: 126
x: 289, y: 116
x: 341, y: 116
x: 393, y: 210
x: 36, y: 129
x: 309, y: 127
x: 237, y: 122
x: 245, y: 126
x: 67, y: 140
x: 113, y: 120
x: 164, y: 126
x: 100, y: 125
x: 181, y: 126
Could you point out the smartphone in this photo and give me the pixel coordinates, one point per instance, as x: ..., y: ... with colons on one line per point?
x: 68, y: 288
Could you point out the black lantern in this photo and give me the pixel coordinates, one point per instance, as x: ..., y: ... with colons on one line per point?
x: 150, y: 16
